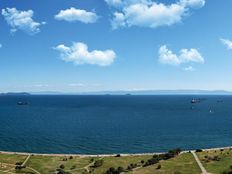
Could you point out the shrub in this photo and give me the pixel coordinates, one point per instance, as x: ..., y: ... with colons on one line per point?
x: 18, y: 163
x: 199, y: 150
x: 19, y: 167
x: 61, y: 171
x: 62, y: 166
x: 120, y: 169
x: 112, y: 170
x: 98, y: 163
x: 158, y: 167
x: 156, y: 158
x: 118, y: 155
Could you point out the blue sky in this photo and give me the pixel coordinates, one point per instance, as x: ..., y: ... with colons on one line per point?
x: 94, y: 45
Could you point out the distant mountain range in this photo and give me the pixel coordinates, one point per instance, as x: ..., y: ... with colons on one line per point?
x: 161, y: 92
x: 128, y: 92
x: 15, y: 93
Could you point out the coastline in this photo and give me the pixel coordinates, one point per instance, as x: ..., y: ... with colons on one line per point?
x: 105, y: 155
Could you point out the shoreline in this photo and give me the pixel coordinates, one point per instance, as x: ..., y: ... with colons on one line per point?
x: 106, y: 155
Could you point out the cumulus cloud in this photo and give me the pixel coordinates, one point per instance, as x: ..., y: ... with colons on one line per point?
x: 148, y: 13
x: 78, y: 53
x: 74, y: 14
x: 21, y: 20
x: 166, y: 56
x: 227, y: 43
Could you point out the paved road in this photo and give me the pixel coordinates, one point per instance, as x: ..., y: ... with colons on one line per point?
x: 199, y: 163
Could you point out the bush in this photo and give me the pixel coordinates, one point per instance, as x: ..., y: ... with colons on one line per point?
x: 18, y: 163
x: 118, y: 155
x: 19, y: 167
x: 120, y: 169
x: 98, y: 163
x: 158, y: 167
x: 156, y: 158
x: 112, y: 170
x: 199, y: 150
x: 175, y: 151
x: 62, y: 166
x: 61, y: 171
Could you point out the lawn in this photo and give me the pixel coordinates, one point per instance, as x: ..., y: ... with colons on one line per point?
x: 48, y: 164
x: 11, y: 158
x: 122, y: 161
x: 216, y: 161
x: 182, y: 164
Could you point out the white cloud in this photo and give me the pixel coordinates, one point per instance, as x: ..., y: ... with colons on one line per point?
x: 193, y: 3
x: 78, y: 54
x: 189, y: 68
x: 147, y: 13
x: 113, y: 2
x: 191, y: 55
x: 227, y: 43
x: 166, y: 56
x: 21, y: 20
x: 74, y: 14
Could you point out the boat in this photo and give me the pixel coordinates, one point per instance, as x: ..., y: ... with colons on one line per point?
x: 22, y: 103
x: 195, y: 101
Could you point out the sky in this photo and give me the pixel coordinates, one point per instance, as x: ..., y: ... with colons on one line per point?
x: 98, y: 45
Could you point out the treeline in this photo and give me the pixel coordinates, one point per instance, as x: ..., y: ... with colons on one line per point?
x: 156, y: 158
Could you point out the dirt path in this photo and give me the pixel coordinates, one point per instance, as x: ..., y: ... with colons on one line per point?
x: 203, y: 170
x: 25, y: 162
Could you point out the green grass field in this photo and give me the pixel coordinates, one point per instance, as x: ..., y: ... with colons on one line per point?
x: 216, y: 161
x: 184, y: 163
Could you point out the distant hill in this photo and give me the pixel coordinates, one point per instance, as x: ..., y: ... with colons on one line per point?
x: 139, y: 92
x: 163, y: 92
x: 15, y: 93
x: 127, y: 92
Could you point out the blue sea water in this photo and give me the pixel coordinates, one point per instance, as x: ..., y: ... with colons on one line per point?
x: 113, y: 124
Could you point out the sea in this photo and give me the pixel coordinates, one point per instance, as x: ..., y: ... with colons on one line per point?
x: 113, y: 124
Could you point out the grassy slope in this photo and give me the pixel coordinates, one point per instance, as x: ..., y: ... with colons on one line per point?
x: 216, y: 167
x: 185, y: 164
x: 48, y: 164
x: 11, y: 159
x: 119, y: 161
